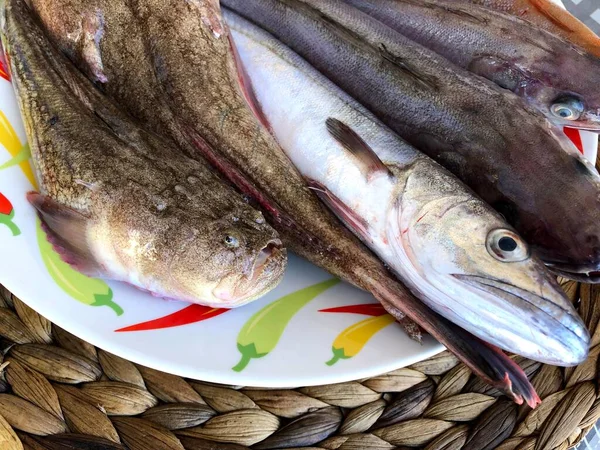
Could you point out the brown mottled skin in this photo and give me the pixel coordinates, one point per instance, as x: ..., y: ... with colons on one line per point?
x: 191, y: 64
x: 124, y: 203
x: 550, y: 17
x: 206, y: 105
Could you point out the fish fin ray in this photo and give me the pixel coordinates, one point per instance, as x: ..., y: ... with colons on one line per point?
x: 369, y: 162
x: 66, y: 230
x: 341, y: 210
x: 425, y: 81
x: 553, y: 14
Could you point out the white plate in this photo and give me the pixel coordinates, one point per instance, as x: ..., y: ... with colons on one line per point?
x: 287, y: 327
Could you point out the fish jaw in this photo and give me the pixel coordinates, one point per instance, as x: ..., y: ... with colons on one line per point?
x: 442, y: 252
x: 584, y: 274
x: 563, y: 334
x: 267, y: 272
x: 484, y: 359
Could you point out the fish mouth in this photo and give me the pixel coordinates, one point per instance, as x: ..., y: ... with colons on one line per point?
x: 559, y: 324
x: 267, y: 271
x: 593, y: 127
x: 585, y: 273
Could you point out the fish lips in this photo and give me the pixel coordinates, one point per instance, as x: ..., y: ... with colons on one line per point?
x: 589, y: 273
x: 565, y: 328
x: 267, y: 271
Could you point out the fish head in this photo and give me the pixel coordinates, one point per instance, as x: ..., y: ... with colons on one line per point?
x: 562, y: 223
x: 567, y: 108
x: 230, y: 262
x: 474, y: 269
x: 223, y: 258
x: 568, y: 93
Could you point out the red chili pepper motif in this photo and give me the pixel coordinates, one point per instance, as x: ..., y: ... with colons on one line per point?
x: 4, y: 73
x: 188, y: 315
x: 367, y: 309
x: 7, y: 214
x: 574, y: 135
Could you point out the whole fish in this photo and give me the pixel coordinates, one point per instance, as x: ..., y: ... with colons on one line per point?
x: 508, y: 153
x: 453, y: 251
x: 553, y: 75
x: 549, y: 16
x: 121, y: 203
x: 193, y: 64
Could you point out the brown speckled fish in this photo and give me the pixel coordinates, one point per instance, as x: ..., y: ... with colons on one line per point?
x: 184, y: 57
x: 550, y: 73
x: 123, y: 204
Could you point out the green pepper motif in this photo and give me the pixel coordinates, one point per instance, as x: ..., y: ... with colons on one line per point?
x: 90, y: 291
x: 261, y: 333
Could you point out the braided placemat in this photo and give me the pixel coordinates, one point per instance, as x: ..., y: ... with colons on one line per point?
x: 58, y: 392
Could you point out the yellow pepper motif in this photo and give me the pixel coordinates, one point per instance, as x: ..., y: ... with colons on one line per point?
x: 20, y: 153
x: 351, y: 341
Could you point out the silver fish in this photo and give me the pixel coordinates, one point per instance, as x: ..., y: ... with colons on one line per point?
x: 455, y: 253
x: 507, y: 152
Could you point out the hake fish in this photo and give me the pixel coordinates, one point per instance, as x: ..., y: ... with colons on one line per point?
x: 553, y: 75
x: 188, y: 57
x: 548, y: 15
x: 453, y: 251
x: 121, y: 203
x: 507, y: 152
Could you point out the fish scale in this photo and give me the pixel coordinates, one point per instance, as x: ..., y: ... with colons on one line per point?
x: 550, y: 16
x: 552, y: 74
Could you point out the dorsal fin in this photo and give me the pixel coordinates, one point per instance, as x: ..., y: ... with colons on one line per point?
x: 369, y: 162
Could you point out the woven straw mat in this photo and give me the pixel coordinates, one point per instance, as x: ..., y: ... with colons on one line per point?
x: 58, y: 392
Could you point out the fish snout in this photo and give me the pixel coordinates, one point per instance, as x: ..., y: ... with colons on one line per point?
x: 266, y: 273
x: 585, y: 273
x: 543, y: 325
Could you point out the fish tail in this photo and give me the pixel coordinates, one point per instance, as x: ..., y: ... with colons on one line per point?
x: 485, y: 360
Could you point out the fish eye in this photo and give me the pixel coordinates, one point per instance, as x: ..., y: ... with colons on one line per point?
x: 506, y: 246
x: 231, y: 241
x: 568, y: 108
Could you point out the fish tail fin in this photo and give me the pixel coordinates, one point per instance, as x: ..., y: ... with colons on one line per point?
x: 485, y: 360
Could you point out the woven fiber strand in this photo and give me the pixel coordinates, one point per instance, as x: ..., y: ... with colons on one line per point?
x: 58, y: 392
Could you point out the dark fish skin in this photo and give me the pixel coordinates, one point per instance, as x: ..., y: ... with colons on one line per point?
x: 192, y: 64
x: 508, y: 153
x: 124, y: 204
x: 551, y: 17
x: 552, y: 74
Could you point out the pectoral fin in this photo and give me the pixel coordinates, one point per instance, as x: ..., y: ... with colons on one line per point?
x: 352, y: 220
x: 66, y: 230
x: 369, y: 162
